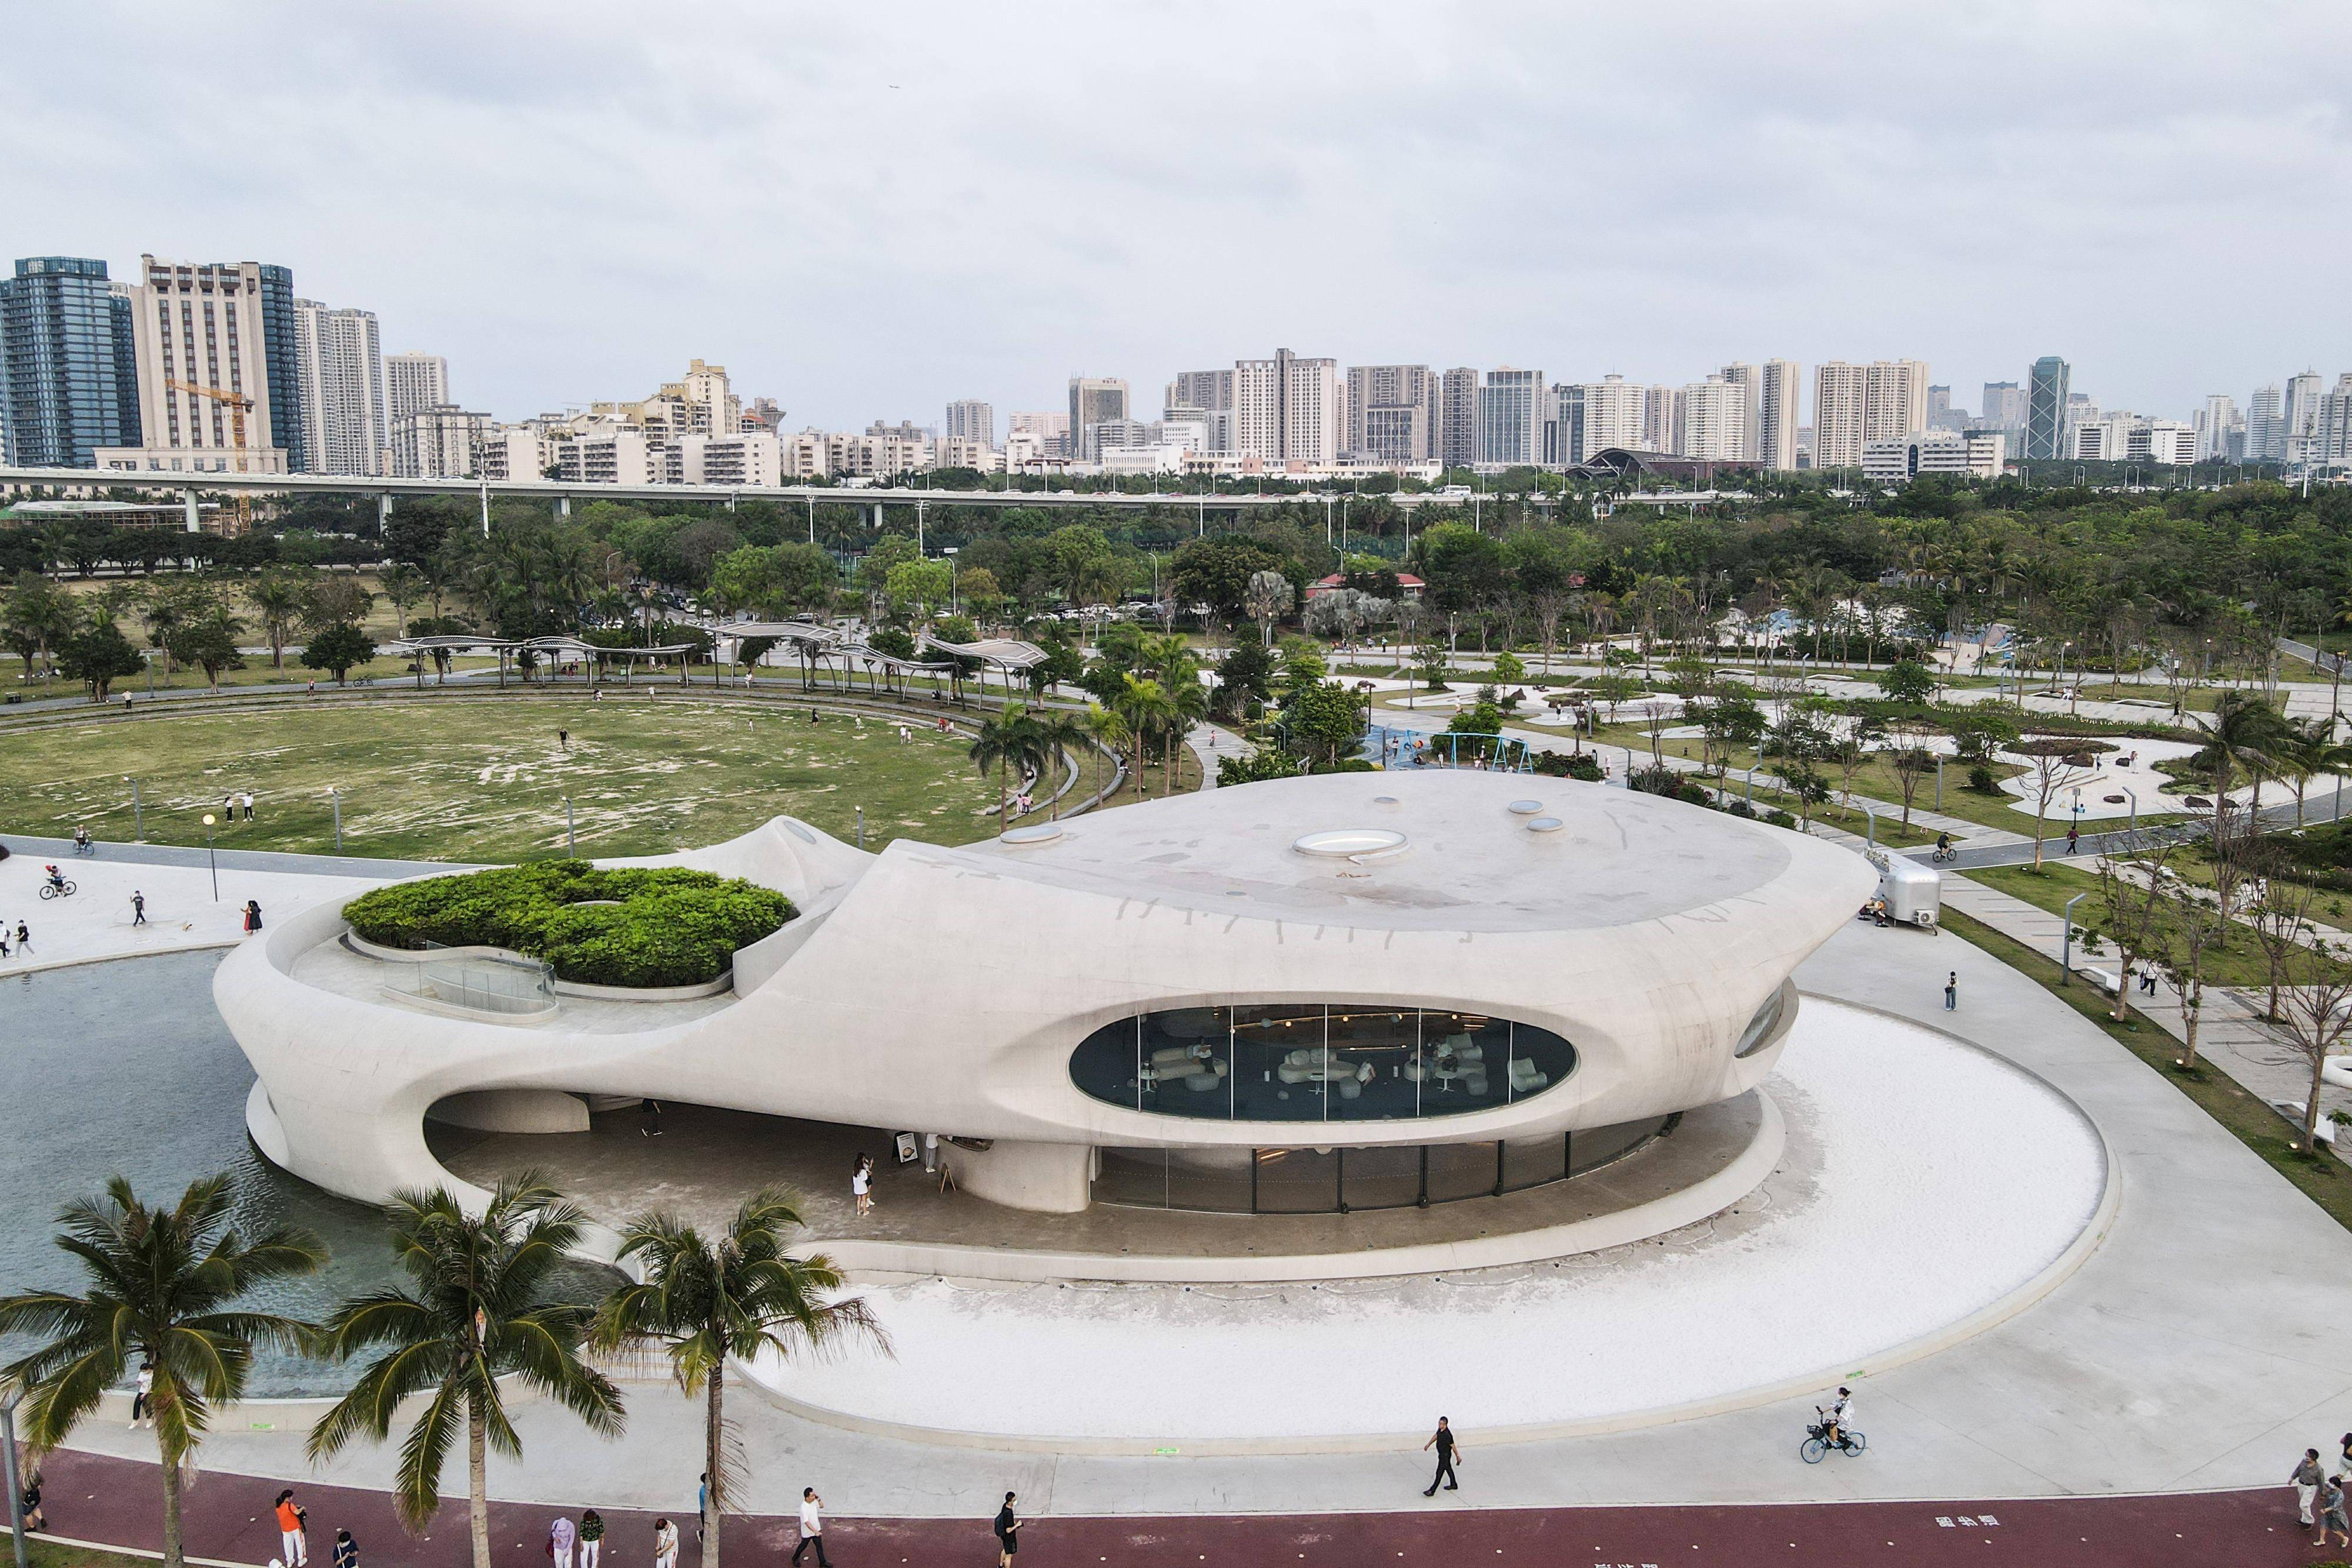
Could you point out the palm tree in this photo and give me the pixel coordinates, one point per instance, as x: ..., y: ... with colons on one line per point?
x: 162, y: 1285
x: 1107, y: 730
x: 276, y: 598
x: 1057, y: 732
x: 2244, y: 738
x: 1188, y: 703
x: 1002, y: 741
x: 482, y: 1310
x: 731, y: 1299
x: 1146, y: 706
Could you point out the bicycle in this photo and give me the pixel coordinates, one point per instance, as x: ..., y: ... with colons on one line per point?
x: 1817, y: 1443
x: 65, y: 889
x: 1941, y: 856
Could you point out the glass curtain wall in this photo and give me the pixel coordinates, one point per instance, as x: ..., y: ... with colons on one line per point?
x: 1318, y: 1062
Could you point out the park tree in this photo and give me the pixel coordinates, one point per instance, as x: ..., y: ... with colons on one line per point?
x: 38, y: 617
x: 1217, y: 572
x: 1910, y: 756
x: 98, y: 656
x: 1268, y: 599
x: 2136, y: 885
x: 1730, y: 721
x: 2314, y: 1012
x: 1323, y: 720
x: 2054, y: 765
x: 332, y: 597
x: 208, y: 643
x: 338, y: 649
x: 1908, y: 681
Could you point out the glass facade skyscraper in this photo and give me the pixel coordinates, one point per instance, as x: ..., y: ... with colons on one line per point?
x: 69, y: 377
x: 282, y: 358
x: 2045, y: 409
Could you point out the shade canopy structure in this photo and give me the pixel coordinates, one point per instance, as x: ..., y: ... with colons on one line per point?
x: 1009, y: 654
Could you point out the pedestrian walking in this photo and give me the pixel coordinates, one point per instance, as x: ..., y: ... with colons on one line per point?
x: 2306, y: 1479
x: 244, y: 798
x: 252, y: 916
x: 560, y: 1537
x: 293, y: 1531
x: 701, y: 1508
x: 347, y: 1551
x: 29, y: 1500
x: 1447, y: 1447
x: 664, y: 1544
x: 1008, y: 1534
x: 2074, y: 837
x: 228, y: 814
x: 563, y: 740
x: 812, y: 1527
x: 2331, y: 1518
x: 1952, y: 991
x: 141, y: 1409
x: 138, y: 908
x: 649, y: 1118
x: 4, y: 941
x: 591, y: 1537
x: 24, y: 940
x: 861, y: 1183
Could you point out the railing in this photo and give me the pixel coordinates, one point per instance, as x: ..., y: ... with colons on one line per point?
x: 507, y: 987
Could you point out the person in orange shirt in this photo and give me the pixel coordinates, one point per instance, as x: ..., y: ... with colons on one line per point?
x: 294, y: 1545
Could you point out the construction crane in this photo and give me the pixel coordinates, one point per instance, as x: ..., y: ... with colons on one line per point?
x: 238, y: 404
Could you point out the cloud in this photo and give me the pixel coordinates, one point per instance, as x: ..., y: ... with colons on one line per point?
x: 865, y: 211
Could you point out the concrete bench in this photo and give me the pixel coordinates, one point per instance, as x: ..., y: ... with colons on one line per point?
x: 2106, y: 980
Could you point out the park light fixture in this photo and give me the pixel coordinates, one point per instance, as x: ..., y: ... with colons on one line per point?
x: 212, y: 861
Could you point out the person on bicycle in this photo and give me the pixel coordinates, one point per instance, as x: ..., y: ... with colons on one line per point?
x: 57, y: 877
x: 1943, y: 843
x: 81, y: 841
x: 1837, y: 1418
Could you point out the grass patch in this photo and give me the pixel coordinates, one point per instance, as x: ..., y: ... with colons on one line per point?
x: 40, y: 1552
x: 465, y: 778
x: 2322, y: 1178
x: 2236, y: 962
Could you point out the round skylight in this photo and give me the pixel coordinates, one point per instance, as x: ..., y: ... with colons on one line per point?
x: 1343, y: 843
x: 1526, y: 808
x: 1035, y: 833
x: 1546, y: 825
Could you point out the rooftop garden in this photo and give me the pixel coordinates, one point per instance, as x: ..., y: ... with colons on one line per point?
x: 637, y: 927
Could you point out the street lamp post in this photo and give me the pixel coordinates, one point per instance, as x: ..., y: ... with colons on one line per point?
x: 15, y: 1490
x: 2134, y: 795
x: 211, y: 859
x: 335, y: 794
x: 138, y: 811
x: 2066, y: 944
x: 571, y: 840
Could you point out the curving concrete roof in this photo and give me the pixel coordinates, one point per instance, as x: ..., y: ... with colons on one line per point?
x: 1469, y: 861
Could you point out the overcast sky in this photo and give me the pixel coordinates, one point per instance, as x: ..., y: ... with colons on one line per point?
x: 865, y: 210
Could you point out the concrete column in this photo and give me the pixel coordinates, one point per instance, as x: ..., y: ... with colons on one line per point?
x: 188, y: 500
x: 383, y: 510
x: 563, y: 506
x: 1045, y: 1178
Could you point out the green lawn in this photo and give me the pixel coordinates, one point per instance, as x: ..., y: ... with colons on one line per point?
x: 485, y: 779
x: 2238, y: 963
x: 42, y: 1553
x: 258, y: 672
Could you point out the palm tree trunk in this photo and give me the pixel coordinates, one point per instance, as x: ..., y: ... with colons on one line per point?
x: 1002, y: 821
x: 714, y: 1425
x: 174, y: 1549
x: 478, y: 1483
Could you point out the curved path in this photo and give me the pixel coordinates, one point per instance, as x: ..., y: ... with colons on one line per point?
x: 91, y: 1498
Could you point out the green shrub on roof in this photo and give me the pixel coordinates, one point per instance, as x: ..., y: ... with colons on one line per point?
x: 645, y: 927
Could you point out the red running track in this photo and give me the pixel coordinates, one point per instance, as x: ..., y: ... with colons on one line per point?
x: 115, y: 1502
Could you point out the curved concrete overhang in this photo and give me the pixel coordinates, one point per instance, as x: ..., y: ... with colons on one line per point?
x: 945, y: 988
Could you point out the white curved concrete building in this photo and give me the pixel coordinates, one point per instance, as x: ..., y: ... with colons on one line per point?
x: 1355, y: 991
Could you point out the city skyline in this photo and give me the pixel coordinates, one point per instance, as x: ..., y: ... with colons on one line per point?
x: 966, y: 246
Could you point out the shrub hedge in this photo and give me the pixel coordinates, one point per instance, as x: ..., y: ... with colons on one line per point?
x: 661, y: 928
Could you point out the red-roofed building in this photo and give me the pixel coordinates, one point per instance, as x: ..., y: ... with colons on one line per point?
x: 1407, y: 584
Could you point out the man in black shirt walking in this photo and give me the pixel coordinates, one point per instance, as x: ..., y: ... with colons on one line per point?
x: 1443, y: 1440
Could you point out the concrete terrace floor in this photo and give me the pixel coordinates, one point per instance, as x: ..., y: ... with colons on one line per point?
x: 2198, y: 1347
x: 707, y: 1158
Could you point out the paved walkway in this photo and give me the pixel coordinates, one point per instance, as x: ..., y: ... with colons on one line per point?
x: 114, y: 1503
x: 2230, y: 1033
x: 1209, y: 742
x: 184, y: 911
